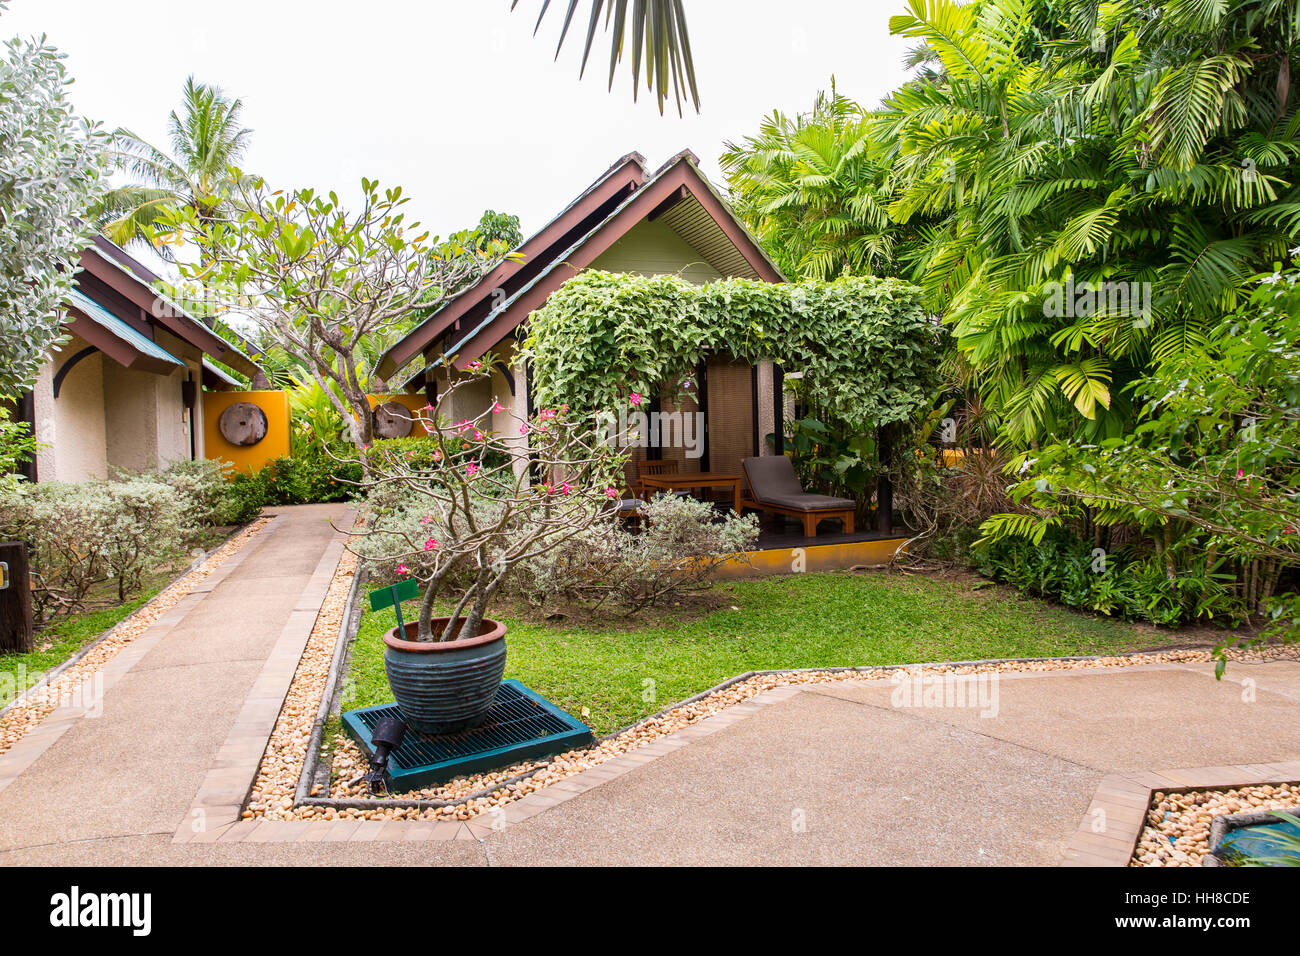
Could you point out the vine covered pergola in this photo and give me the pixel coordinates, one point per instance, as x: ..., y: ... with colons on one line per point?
x: 866, y: 347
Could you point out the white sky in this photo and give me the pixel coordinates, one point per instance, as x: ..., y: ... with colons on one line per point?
x: 454, y: 100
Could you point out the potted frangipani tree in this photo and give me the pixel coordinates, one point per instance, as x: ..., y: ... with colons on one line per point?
x: 456, y: 512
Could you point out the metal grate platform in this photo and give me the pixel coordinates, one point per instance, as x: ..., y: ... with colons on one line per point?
x: 521, y: 725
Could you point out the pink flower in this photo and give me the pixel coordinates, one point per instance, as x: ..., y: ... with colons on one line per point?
x: 523, y: 429
x: 474, y: 366
x: 611, y: 492
x: 564, y: 409
x: 427, y: 408
x: 430, y: 544
x: 1240, y: 473
x: 478, y: 435
x: 471, y: 470
x: 463, y: 426
x: 636, y: 399
x: 426, y: 519
x: 566, y: 488
x: 547, y: 414
x: 403, y: 570
x: 497, y: 408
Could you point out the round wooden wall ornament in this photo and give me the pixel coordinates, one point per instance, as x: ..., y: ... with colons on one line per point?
x: 243, y: 423
x: 392, y: 420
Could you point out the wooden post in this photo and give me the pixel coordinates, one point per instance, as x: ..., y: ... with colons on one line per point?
x: 15, y: 600
x: 778, y: 408
x: 884, y: 487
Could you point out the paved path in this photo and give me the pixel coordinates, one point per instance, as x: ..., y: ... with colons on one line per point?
x: 170, y: 697
x: 832, y: 773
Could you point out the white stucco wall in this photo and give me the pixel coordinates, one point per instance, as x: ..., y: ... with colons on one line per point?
x: 108, y: 417
x: 72, y: 427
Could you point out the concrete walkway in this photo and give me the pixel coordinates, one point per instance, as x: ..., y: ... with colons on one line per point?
x: 170, y: 698
x: 823, y: 774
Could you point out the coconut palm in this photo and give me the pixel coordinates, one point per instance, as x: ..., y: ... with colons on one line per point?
x: 207, y: 140
x: 658, y: 34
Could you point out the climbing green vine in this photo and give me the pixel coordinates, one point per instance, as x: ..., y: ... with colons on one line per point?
x: 867, y: 348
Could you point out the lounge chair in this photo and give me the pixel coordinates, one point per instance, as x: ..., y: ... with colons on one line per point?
x: 773, y: 487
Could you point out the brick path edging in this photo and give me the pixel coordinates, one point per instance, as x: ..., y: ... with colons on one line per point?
x: 290, y: 831
x: 1109, y: 832
x: 225, y: 787
x: 43, y: 736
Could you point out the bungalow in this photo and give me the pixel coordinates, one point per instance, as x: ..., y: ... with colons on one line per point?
x: 672, y: 221
x: 126, y: 391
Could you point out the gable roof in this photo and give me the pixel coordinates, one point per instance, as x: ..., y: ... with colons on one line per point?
x: 124, y: 344
x: 136, y: 285
x: 481, y: 316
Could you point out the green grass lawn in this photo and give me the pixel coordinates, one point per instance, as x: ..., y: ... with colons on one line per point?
x: 805, y: 620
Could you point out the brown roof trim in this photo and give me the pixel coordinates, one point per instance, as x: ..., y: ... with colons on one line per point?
x: 115, y: 348
x: 128, y: 282
x: 681, y: 175
x: 625, y: 176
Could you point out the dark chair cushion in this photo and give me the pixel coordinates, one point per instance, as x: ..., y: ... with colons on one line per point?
x: 771, y: 475
x: 772, y: 480
x: 809, y: 502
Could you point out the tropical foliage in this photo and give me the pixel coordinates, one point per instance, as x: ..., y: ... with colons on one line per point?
x: 808, y: 187
x: 659, y: 37
x: 207, y: 141
x: 17, y: 445
x: 51, y: 169
x: 1080, y: 188
x: 1119, y: 147
x: 1211, y: 472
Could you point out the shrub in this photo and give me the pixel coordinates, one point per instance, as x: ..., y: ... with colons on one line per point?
x: 140, y: 522
x: 16, y: 446
x: 312, y: 478
x: 56, y: 520
x: 203, y: 488
x: 245, y: 497
x: 678, y: 549
x: 1133, y: 586
x: 85, y: 534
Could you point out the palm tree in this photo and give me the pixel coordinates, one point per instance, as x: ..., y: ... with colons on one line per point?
x: 207, y: 140
x: 658, y: 32
x: 1075, y: 141
x: 808, y: 188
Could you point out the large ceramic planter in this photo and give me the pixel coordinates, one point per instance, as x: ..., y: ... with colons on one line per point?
x: 445, y: 687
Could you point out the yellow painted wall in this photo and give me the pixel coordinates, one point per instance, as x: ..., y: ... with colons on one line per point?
x: 415, y: 403
x: 813, y: 557
x: 275, y: 405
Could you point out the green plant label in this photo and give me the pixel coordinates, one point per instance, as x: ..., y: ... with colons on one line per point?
x: 387, y: 597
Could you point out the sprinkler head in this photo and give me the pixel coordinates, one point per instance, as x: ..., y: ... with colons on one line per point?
x: 387, y: 736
